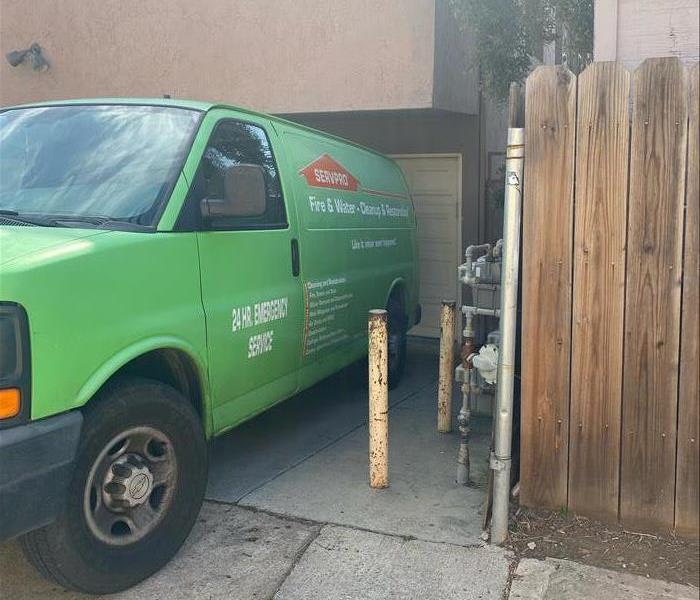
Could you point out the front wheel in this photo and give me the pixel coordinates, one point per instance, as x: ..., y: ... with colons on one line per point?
x: 138, y: 485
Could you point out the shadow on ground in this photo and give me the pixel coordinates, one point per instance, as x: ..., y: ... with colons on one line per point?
x: 291, y: 515
x: 307, y: 458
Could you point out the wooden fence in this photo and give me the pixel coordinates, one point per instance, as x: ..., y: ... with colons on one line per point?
x: 610, y: 364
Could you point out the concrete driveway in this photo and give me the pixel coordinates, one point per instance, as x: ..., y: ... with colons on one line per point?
x: 290, y: 515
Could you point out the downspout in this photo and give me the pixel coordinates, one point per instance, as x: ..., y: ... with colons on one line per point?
x: 500, y: 460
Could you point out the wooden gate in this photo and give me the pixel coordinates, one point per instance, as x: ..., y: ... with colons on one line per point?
x: 610, y: 329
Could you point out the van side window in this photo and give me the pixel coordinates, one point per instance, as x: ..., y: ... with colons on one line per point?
x: 236, y: 143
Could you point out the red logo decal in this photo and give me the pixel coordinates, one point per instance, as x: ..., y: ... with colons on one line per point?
x: 325, y: 172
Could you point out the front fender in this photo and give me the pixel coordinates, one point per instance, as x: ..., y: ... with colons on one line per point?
x: 107, y: 369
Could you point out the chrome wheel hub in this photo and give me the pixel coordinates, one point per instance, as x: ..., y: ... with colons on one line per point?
x: 128, y: 482
x: 130, y: 486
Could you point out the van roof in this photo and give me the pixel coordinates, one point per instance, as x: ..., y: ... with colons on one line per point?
x: 177, y: 103
x: 191, y: 105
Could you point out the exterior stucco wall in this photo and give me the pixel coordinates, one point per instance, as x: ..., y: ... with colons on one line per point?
x: 632, y: 30
x: 272, y: 55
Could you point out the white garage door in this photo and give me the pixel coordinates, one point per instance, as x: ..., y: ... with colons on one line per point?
x: 435, y: 184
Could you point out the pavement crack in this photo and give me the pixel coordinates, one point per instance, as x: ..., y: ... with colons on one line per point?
x: 404, y: 537
x: 297, y: 557
x: 282, y: 516
x: 512, y: 567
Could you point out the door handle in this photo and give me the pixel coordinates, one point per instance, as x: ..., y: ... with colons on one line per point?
x: 295, y: 257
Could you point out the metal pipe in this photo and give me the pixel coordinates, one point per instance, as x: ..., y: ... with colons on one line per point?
x: 503, y: 427
x: 464, y: 416
x: 498, y: 249
x: 468, y: 331
x: 470, y: 312
x: 378, y: 399
x: 447, y: 361
x: 469, y: 255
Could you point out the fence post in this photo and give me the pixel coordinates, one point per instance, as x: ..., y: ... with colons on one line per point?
x: 447, y: 360
x: 378, y: 400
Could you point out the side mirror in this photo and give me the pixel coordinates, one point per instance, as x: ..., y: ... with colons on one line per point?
x: 244, y: 194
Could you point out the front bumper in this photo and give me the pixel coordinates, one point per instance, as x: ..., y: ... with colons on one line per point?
x: 36, y: 465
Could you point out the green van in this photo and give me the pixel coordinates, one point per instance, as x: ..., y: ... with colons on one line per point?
x: 170, y: 269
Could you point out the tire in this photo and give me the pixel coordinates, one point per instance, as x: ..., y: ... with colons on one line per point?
x: 397, y: 326
x: 147, y: 428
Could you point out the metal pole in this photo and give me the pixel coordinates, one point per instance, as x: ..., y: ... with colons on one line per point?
x: 447, y: 361
x: 475, y: 310
x: 503, y: 426
x: 464, y: 416
x: 378, y: 400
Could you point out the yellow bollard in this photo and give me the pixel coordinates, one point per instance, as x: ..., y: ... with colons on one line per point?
x: 378, y: 400
x: 447, y: 360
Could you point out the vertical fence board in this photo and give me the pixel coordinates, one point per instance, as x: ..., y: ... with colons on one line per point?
x: 687, y: 478
x: 602, y: 150
x: 652, y: 305
x: 550, y: 118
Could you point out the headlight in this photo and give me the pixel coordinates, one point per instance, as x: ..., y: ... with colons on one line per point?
x: 14, y: 365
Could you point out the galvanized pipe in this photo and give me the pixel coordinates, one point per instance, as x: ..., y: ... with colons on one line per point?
x: 464, y: 416
x: 447, y: 361
x: 378, y: 399
x: 472, y: 311
x: 465, y: 270
x: 503, y: 426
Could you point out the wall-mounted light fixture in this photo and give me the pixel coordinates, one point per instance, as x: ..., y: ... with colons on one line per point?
x: 32, y: 54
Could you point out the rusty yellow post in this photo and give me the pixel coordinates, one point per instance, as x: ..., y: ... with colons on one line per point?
x: 378, y: 400
x: 447, y: 360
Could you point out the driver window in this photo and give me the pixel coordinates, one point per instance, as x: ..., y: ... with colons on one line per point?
x: 237, y: 143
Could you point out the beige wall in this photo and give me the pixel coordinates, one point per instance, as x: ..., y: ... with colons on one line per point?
x: 632, y: 30
x: 271, y: 55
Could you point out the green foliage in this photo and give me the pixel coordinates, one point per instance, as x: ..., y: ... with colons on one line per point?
x: 576, y: 18
x: 496, y: 189
x: 510, y: 33
x: 502, y: 49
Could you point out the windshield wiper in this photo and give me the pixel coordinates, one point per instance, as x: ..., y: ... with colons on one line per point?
x: 91, y: 221
x: 13, y: 215
x: 99, y: 222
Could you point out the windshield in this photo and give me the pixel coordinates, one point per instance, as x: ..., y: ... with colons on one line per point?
x: 92, y: 163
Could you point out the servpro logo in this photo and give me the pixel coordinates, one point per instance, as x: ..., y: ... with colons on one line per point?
x: 326, y: 172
